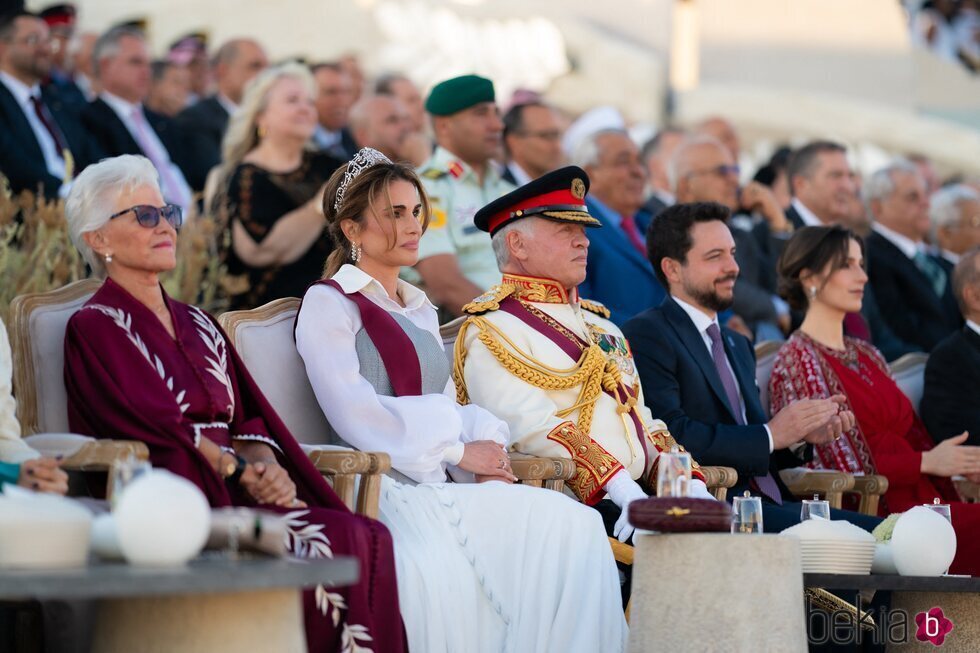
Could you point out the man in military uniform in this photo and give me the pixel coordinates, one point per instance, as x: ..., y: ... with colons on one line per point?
x: 456, y: 262
x: 552, y: 365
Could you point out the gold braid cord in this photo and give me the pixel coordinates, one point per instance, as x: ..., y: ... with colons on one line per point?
x: 591, y: 372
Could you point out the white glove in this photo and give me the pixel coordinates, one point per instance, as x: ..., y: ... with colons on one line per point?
x: 623, y: 490
x: 699, y: 490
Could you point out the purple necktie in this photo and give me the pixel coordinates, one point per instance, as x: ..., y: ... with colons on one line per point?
x: 763, y: 484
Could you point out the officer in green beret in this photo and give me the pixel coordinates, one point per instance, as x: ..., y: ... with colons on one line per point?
x: 456, y: 261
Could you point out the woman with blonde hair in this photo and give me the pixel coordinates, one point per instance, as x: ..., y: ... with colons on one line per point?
x: 271, y: 201
x: 485, y: 566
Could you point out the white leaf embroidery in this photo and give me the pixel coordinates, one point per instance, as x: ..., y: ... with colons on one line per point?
x: 304, y: 539
x: 351, y: 635
x: 218, y: 362
x: 124, y: 321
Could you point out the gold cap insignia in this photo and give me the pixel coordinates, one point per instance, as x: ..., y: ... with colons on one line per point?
x: 578, y: 188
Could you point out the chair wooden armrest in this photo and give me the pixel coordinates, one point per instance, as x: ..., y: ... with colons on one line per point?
x: 804, y: 483
x: 871, y: 487
x: 968, y: 490
x: 719, y: 479
x: 102, y: 455
x: 342, y: 467
x: 550, y: 473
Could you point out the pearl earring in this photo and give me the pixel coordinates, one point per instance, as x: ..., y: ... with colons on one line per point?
x: 108, y: 258
x: 813, y: 292
x: 355, y: 252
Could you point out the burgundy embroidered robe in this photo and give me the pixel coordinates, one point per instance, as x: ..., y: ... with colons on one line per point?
x: 127, y: 378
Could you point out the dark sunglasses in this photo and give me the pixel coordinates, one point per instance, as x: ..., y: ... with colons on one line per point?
x: 149, y: 216
x: 720, y: 171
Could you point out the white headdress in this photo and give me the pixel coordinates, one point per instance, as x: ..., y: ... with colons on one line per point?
x: 363, y: 160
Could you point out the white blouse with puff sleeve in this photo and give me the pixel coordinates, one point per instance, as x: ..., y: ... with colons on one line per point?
x: 422, y: 434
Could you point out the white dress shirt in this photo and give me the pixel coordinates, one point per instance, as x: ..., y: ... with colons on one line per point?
x: 173, y: 185
x: 809, y: 218
x: 23, y: 94
x: 907, y: 246
x: 520, y: 175
x: 226, y: 104
x: 422, y: 434
x: 701, y: 322
x: 973, y: 325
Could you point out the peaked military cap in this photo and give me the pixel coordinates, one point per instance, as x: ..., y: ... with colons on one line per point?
x: 558, y: 195
x: 459, y: 93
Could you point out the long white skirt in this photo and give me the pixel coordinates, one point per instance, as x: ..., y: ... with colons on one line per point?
x: 492, y: 567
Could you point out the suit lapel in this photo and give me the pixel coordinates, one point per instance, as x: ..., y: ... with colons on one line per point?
x: 20, y: 125
x: 972, y: 337
x: 794, y: 217
x: 692, y: 340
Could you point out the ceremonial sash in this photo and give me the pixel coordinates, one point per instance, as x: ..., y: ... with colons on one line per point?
x: 573, y: 346
x: 396, y: 349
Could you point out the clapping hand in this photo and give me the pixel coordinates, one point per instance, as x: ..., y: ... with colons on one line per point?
x: 953, y: 458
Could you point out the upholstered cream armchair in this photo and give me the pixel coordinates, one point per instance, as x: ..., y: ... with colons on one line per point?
x: 804, y: 483
x: 264, y: 339
x: 37, y: 337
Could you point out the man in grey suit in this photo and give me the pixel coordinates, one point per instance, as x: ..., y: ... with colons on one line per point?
x: 702, y: 170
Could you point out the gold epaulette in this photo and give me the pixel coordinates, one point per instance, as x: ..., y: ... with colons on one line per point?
x: 490, y: 300
x: 594, y: 307
x: 434, y: 173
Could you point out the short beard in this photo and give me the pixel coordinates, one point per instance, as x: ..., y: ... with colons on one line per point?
x: 708, y: 298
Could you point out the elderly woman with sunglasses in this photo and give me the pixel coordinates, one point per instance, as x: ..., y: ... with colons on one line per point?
x: 141, y: 365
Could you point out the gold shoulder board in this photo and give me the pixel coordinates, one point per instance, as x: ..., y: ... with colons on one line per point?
x: 434, y: 173
x: 594, y: 307
x: 490, y: 300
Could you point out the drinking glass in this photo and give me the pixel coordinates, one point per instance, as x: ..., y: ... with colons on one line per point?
x: 674, y: 474
x: 124, y: 472
x: 941, y: 508
x: 815, y: 509
x: 747, y: 514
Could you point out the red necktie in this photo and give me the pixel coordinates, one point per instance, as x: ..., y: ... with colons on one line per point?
x: 49, y: 124
x: 633, y: 233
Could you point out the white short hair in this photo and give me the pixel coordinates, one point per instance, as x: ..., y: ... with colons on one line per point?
x: 944, y: 205
x: 499, y: 240
x: 881, y: 184
x: 93, y: 194
x: 587, y: 152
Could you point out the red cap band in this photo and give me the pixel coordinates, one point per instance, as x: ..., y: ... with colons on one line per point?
x: 562, y: 197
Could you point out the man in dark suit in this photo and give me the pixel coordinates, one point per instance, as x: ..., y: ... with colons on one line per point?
x: 532, y: 142
x: 703, y: 170
x: 822, y: 185
x: 334, y: 98
x: 117, y: 119
x: 912, y: 289
x: 203, y: 124
x: 619, y: 274
x: 950, y: 402
x: 656, y: 155
x: 700, y: 378
x: 39, y: 148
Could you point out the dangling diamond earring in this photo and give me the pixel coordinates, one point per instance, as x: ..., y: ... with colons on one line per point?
x: 813, y: 292
x: 108, y: 258
x: 355, y: 252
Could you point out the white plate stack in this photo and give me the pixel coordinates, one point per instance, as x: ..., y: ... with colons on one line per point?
x: 833, y: 547
x: 837, y: 557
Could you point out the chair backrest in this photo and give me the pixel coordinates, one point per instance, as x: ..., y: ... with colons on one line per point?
x: 37, y: 334
x: 449, y: 331
x: 263, y: 337
x: 909, y: 373
x: 765, y: 359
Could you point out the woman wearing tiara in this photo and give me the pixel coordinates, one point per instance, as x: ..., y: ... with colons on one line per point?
x: 485, y: 566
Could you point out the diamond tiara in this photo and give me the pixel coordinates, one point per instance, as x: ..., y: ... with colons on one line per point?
x: 363, y: 160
